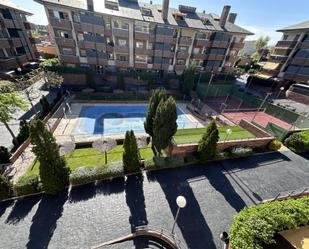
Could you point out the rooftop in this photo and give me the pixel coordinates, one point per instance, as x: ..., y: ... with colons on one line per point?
x: 296, y: 27
x: 10, y: 4
x: 132, y: 10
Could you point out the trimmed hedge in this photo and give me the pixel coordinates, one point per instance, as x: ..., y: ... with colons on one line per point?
x: 298, y: 141
x: 163, y: 162
x: 6, y: 189
x: 256, y: 226
x: 274, y: 145
x: 85, y: 175
x: 27, y: 185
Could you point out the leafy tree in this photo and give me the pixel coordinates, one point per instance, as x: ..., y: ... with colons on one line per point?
x: 154, y: 101
x: 23, y: 131
x: 45, y: 105
x: 10, y: 102
x: 260, y: 45
x: 188, y: 79
x: 6, y: 188
x: 6, y: 86
x: 207, y: 146
x: 130, y: 157
x: 53, y: 79
x: 4, y: 155
x: 50, y: 63
x: 164, y: 125
x: 120, y: 82
x: 255, y: 57
x: 53, y: 171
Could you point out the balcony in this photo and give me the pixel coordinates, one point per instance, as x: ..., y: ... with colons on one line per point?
x: 109, y: 48
x: 202, y: 43
x: 168, y: 54
x: 121, y: 33
x: 100, y: 46
x: 60, y: 23
x: 15, y: 42
x: 305, y: 44
x: 86, y: 44
x: 199, y: 56
x: 21, y: 59
x: 102, y: 61
x: 286, y: 44
x: 237, y: 45
x: 278, y: 58
x: 220, y: 44
x: 92, y: 60
x: 121, y: 49
x: 143, y: 51
x: 28, y: 25
x: 7, y: 23
x: 180, y: 67
x: 4, y: 43
x: 165, y: 39
x: 215, y: 57
x: 69, y: 58
x: 185, y: 41
x: 92, y: 38
x: 296, y: 77
x: 182, y: 55
x: 140, y: 65
x: 141, y: 35
x: 65, y: 42
x: 158, y: 53
x: 91, y: 19
x: 299, y: 61
x: 8, y: 63
x: 119, y: 63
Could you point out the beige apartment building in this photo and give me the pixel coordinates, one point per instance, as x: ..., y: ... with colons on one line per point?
x: 290, y: 60
x: 127, y: 34
x: 17, y: 47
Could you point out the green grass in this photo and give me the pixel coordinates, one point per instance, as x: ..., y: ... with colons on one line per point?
x: 89, y: 157
x: 183, y: 136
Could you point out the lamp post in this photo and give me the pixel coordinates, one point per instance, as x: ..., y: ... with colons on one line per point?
x: 210, y: 80
x: 228, y: 132
x: 181, y: 203
x: 249, y: 83
x: 281, y: 89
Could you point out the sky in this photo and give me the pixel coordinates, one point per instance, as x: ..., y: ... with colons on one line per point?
x: 262, y: 17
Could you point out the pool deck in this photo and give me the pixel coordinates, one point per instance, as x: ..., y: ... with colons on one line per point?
x: 67, y: 125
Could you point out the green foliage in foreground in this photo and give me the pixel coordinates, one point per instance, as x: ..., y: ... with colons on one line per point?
x: 298, y: 141
x: 274, y: 145
x: 257, y: 225
x: 5, y: 188
x: 130, y: 156
x: 27, y: 184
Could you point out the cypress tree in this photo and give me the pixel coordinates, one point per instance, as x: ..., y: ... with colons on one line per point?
x: 6, y: 188
x: 130, y: 156
x: 164, y: 125
x: 53, y: 171
x: 207, y: 146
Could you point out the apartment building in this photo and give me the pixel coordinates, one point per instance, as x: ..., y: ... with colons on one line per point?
x: 289, y: 62
x: 111, y: 34
x: 17, y: 46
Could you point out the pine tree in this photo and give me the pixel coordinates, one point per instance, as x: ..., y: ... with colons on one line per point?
x: 154, y: 101
x: 53, y: 171
x: 6, y: 188
x: 23, y: 131
x: 164, y: 125
x: 207, y: 146
x: 130, y: 157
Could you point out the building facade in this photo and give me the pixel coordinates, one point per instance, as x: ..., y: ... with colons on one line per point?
x: 109, y: 35
x: 290, y: 59
x: 17, y: 47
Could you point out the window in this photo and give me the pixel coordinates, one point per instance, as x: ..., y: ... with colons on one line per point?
x: 146, y: 12
x: 181, y: 62
x: 141, y: 27
x: 80, y: 36
x: 107, y: 22
x: 150, y: 60
x: 120, y: 24
x: 20, y: 50
x: 196, y: 50
x: 122, y: 42
x: 296, y: 38
x: 108, y: 39
x: 63, y: 34
x: 201, y: 36
x: 302, y: 53
x: 150, y: 45
x: 306, y: 37
x: 141, y: 58
x: 285, y: 37
x: 83, y: 53
x: 183, y: 48
x: 139, y: 44
x: 110, y: 56
x: 121, y: 57
x: 67, y: 51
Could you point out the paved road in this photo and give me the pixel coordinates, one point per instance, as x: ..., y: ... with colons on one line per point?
x: 90, y: 215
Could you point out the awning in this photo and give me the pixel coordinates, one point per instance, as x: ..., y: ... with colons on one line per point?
x: 263, y: 75
x: 271, y: 65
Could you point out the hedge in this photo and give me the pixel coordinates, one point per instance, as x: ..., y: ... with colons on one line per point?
x: 298, y: 141
x: 27, y: 184
x: 274, y: 145
x: 256, y: 226
x: 163, y: 162
x: 85, y: 175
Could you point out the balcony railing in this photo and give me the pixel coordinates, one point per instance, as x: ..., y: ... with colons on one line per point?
x: 119, y: 63
x: 69, y: 58
x: 4, y: 43
x: 8, y: 63
x: 286, y: 44
x: 299, y: 61
x: 92, y: 38
x: 237, y: 45
x: 121, y: 49
x: 121, y: 32
x: 185, y: 40
x: 60, y: 23
x: 66, y: 42
x: 182, y: 55
x: 219, y: 44
x: 91, y: 19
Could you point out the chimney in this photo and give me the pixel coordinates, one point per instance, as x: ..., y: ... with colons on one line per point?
x: 232, y: 17
x: 165, y: 6
x: 90, y: 5
x: 224, y: 15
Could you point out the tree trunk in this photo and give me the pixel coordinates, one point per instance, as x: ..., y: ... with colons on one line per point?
x: 105, y: 157
x: 15, y: 142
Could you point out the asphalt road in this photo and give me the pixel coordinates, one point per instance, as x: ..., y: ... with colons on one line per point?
x: 93, y: 214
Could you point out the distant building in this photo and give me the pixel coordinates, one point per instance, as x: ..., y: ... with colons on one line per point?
x: 17, y: 46
x: 109, y: 35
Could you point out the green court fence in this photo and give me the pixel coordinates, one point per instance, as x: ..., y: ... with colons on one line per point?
x: 213, y: 90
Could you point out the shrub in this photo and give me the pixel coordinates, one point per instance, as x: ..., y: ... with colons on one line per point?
x: 255, y: 226
x: 27, y: 185
x: 274, y: 145
x: 83, y: 175
x: 130, y: 156
x: 6, y: 189
x: 23, y: 131
x: 4, y: 155
x: 298, y: 142
x: 45, y: 105
x: 163, y: 162
x: 235, y: 152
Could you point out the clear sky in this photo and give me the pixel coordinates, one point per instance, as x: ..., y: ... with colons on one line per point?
x: 261, y: 17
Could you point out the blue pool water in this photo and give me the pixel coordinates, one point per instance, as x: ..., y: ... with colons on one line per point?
x: 116, y: 119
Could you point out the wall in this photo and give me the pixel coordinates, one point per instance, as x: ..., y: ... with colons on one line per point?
x: 74, y: 79
x: 256, y: 131
x: 298, y: 97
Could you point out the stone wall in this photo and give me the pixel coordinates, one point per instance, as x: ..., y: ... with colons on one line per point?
x: 256, y: 131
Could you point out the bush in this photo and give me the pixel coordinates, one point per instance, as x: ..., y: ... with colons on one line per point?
x: 163, y: 162
x: 274, y: 145
x: 27, y: 185
x: 298, y: 142
x: 85, y: 175
x: 45, y: 105
x: 255, y: 226
x: 130, y: 157
x: 235, y: 152
x: 23, y: 131
x: 6, y: 189
x: 4, y: 155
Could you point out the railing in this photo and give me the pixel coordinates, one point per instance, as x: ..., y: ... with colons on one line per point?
x: 298, y: 193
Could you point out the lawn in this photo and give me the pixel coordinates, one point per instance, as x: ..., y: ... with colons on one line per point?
x: 89, y: 157
x: 183, y: 136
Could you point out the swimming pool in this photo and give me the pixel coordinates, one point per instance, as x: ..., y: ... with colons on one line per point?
x: 117, y: 119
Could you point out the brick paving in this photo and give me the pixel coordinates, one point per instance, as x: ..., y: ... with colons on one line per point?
x: 90, y: 215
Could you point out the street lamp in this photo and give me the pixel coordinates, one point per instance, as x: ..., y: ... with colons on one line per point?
x: 210, y: 80
x: 181, y: 203
x: 281, y: 89
x: 228, y: 132
x: 249, y: 83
